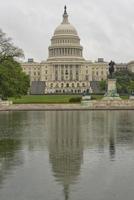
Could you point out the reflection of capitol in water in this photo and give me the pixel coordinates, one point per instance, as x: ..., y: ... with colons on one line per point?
x: 65, y: 147
x: 72, y: 132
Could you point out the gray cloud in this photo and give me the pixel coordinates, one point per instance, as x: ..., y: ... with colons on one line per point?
x: 106, y: 27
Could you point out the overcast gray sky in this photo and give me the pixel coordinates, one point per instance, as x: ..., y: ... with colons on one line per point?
x: 106, y: 27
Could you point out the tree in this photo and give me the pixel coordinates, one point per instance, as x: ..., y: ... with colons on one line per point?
x: 13, y: 81
x: 7, y: 48
x: 131, y: 87
x: 125, y: 81
x: 103, y: 85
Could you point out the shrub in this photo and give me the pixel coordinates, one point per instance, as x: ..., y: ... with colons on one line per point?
x: 75, y: 100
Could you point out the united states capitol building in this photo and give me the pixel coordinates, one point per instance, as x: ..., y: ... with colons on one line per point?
x: 66, y: 70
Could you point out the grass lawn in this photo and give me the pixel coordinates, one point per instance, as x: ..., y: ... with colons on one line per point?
x: 29, y: 99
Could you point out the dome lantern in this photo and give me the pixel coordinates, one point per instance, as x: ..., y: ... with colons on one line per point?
x: 65, y: 16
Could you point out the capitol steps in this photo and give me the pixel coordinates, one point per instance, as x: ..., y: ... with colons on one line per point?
x: 37, y: 87
x: 95, y: 86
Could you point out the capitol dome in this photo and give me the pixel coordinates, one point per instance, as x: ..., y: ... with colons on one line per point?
x: 65, y: 27
x: 65, y: 42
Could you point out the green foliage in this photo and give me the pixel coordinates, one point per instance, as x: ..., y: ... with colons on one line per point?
x: 75, y: 100
x: 13, y: 82
x: 125, y: 81
x: 103, y: 85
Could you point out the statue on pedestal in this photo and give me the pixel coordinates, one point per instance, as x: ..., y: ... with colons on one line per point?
x: 111, y: 93
x: 111, y: 68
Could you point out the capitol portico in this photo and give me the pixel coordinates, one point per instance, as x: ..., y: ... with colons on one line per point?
x: 65, y: 70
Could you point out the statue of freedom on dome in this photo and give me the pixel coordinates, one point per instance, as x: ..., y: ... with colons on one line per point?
x: 65, y: 9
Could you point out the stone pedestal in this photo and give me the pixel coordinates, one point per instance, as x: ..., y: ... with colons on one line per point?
x: 111, y: 93
x: 5, y: 103
x: 85, y: 100
x: 131, y: 97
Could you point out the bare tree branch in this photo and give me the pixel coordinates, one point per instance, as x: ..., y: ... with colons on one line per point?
x: 7, y: 48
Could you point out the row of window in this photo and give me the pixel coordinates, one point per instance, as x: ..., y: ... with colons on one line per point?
x: 66, y: 66
x: 67, y: 85
x: 36, y: 73
x: 70, y: 91
x: 65, y: 31
x: 63, y: 78
x: 64, y: 41
x: 97, y: 73
x: 66, y: 72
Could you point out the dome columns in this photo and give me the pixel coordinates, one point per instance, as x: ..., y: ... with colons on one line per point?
x: 65, y: 51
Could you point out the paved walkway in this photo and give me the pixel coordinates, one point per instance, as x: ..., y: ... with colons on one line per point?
x: 32, y: 107
x: 42, y: 107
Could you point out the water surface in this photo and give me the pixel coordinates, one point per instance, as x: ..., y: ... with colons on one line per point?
x: 74, y: 155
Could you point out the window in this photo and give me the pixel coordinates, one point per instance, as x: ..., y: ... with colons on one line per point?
x: 56, y: 78
x: 86, y: 77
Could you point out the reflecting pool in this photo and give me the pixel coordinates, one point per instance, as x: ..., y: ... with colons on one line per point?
x: 67, y: 155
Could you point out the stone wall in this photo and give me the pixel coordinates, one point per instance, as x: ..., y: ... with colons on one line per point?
x: 5, y: 103
x: 114, y: 104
